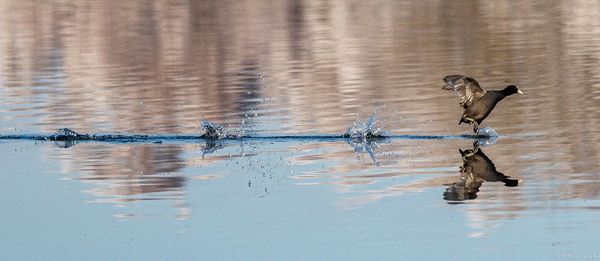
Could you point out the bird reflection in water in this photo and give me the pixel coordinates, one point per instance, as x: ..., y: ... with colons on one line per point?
x: 476, y: 169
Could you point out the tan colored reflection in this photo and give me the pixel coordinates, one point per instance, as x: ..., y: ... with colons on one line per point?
x: 161, y: 67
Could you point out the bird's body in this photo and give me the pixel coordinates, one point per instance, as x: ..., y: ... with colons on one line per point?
x: 481, y: 109
x: 477, y: 102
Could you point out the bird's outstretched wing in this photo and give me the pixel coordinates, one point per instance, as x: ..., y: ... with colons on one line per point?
x: 466, y: 88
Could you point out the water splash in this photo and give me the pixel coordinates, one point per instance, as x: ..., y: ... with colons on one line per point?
x: 487, y: 136
x: 68, y: 134
x: 372, y: 128
x: 214, y: 131
x: 487, y: 131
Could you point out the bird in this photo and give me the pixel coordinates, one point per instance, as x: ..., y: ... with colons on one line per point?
x: 477, y: 102
x: 476, y: 169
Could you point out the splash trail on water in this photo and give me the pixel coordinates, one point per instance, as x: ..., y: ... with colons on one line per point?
x: 181, y: 137
x: 359, y: 131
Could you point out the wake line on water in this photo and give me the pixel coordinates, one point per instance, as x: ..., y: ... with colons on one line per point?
x: 175, y: 137
x: 359, y: 131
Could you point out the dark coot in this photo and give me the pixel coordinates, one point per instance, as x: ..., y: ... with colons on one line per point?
x: 477, y: 102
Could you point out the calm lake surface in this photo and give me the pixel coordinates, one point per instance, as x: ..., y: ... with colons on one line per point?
x: 297, y: 68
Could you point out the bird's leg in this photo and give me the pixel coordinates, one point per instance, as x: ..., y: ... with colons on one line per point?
x: 472, y: 121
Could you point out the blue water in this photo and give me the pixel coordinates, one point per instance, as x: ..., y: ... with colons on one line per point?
x: 261, y: 206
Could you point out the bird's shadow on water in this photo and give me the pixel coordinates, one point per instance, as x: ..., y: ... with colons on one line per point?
x: 476, y: 169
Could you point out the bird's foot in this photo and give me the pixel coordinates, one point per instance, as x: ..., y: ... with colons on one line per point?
x: 475, y: 127
x: 469, y: 120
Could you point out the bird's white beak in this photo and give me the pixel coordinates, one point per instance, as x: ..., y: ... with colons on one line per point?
x: 520, y: 92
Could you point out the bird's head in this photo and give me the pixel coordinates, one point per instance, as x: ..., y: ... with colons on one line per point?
x: 512, y: 89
